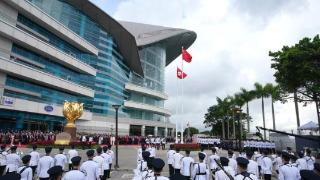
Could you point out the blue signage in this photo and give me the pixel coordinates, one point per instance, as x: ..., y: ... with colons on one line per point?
x: 48, y: 108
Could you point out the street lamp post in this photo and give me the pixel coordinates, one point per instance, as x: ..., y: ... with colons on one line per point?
x: 116, y: 107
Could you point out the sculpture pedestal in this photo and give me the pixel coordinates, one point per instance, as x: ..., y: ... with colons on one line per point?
x: 72, y: 131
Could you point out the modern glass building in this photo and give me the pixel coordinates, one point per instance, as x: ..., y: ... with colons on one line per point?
x: 57, y: 50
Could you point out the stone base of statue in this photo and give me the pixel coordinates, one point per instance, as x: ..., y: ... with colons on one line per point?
x: 63, y: 138
x: 72, y: 131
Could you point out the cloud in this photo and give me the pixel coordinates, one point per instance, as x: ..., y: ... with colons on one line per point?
x: 231, y: 51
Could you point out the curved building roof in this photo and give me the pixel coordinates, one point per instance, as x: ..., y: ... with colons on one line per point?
x: 124, y: 39
x: 171, y: 38
x: 129, y: 36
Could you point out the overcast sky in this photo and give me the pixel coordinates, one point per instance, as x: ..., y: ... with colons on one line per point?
x: 231, y: 50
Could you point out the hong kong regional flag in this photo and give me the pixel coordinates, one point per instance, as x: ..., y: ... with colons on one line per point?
x: 186, y: 56
x: 181, y: 74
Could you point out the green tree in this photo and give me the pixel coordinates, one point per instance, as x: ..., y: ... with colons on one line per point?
x: 261, y: 92
x: 193, y: 131
x: 297, y: 71
x: 274, y: 93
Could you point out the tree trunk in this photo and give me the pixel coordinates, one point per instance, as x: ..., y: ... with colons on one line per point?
x: 228, y: 129
x: 295, y: 97
x: 223, y: 132
x: 273, y: 116
x: 263, y: 118
x: 248, y: 118
x: 318, y: 111
x: 234, y: 126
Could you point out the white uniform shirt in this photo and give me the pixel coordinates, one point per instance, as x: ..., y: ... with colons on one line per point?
x: 60, y: 160
x: 74, y: 175
x: 310, y: 162
x: 212, y: 162
x: 3, y: 158
x: 45, y: 163
x: 170, y: 154
x: 111, y: 154
x: 101, y: 163
x: 221, y: 175
x: 152, y: 151
x: 302, y: 164
x: 200, y: 172
x: 177, y: 157
x: 277, y: 162
x: 26, y: 174
x: 241, y: 177
x: 147, y: 174
x: 233, y: 164
x: 288, y: 172
x: 72, y: 153
x: 13, y: 162
x: 253, y: 167
x: 91, y: 169
x: 186, y: 165
x: 266, y: 165
x: 108, y: 160
x: 35, y: 156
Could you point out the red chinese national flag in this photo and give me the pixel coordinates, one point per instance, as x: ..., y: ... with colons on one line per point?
x: 181, y: 74
x: 186, y: 56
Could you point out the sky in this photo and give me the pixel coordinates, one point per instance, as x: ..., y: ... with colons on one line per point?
x: 234, y: 38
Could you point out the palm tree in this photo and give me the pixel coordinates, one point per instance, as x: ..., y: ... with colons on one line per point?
x: 260, y: 92
x: 220, y: 105
x: 238, y: 102
x: 247, y: 96
x: 274, y: 93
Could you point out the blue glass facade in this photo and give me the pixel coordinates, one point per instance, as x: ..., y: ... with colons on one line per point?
x: 112, y: 69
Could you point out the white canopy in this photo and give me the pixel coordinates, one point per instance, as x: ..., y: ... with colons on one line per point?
x: 309, y: 126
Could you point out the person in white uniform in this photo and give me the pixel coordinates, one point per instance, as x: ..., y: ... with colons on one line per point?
x: 170, y: 159
x: 186, y: 164
x: 177, y: 157
x: 75, y: 173
x: 45, y: 163
x: 211, y: 161
x: 301, y: 162
x: 111, y: 153
x: 242, y: 164
x: 158, y: 165
x: 200, y: 170
x: 3, y: 159
x: 252, y: 166
x: 72, y: 153
x: 60, y: 159
x: 55, y: 173
x: 35, y: 156
x: 232, y: 161
x: 266, y: 166
x: 108, y: 159
x: 220, y: 174
x: 277, y: 162
x: 310, y: 159
x: 25, y: 171
x: 13, y: 160
x: 287, y: 171
x: 90, y: 168
x: 100, y: 161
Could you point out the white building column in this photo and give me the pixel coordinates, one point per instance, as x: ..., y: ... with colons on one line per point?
x: 143, y: 128
x: 166, y: 132
x: 2, y: 82
x: 156, y: 131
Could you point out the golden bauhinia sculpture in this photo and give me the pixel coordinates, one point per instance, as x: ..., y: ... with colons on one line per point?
x: 72, y: 111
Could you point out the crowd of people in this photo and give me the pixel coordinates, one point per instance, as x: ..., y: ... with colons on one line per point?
x: 25, y: 137
x: 252, y: 164
x: 49, y: 167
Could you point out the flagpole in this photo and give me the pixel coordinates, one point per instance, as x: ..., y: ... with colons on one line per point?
x: 177, y: 107
x: 182, y: 121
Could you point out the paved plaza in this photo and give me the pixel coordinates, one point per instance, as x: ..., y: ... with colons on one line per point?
x: 127, y: 160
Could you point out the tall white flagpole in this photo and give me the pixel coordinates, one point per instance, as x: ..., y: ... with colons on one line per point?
x: 182, y: 121
x: 177, y: 106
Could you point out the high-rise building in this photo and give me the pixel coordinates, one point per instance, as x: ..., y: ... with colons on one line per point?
x: 57, y: 50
